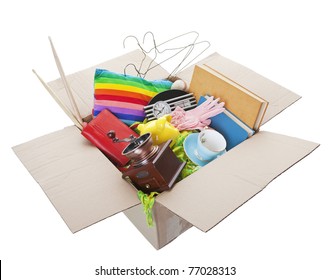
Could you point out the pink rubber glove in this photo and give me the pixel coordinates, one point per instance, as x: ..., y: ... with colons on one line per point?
x: 198, y: 117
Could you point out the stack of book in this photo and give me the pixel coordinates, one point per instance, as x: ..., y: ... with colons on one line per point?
x: 244, y: 109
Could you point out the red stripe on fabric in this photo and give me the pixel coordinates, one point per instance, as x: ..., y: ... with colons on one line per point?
x: 115, y: 92
x: 122, y: 99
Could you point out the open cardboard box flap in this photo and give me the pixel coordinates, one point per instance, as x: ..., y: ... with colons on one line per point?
x: 85, y: 187
x: 209, y: 195
x: 277, y: 96
x: 82, y: 184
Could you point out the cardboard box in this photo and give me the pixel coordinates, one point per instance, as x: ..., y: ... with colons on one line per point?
x: 86, y: 188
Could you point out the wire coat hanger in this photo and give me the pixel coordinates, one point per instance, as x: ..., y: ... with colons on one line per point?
x: 186, y: 49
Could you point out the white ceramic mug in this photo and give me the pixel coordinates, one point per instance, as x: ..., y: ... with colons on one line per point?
x: 210, y: 145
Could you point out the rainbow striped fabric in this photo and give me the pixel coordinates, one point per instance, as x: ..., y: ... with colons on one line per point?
x: 124, y: 95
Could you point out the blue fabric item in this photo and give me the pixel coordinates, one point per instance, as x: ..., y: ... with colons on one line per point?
x: 230, y: 130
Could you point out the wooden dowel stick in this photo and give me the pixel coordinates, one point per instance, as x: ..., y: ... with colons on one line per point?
x: 59, y: 101
x: 66, y: 84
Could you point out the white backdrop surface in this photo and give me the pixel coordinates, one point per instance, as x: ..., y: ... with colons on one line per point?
x: 282, y: 233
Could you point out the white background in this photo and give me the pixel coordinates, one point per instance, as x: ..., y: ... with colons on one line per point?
x: 282, y: 233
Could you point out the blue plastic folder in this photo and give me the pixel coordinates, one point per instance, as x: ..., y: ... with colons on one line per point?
x: 230, y: 130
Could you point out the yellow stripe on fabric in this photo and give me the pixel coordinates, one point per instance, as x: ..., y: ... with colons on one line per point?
x: 125, y: 88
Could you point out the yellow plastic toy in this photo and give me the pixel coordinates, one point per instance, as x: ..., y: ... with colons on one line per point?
x: 161, y: 130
